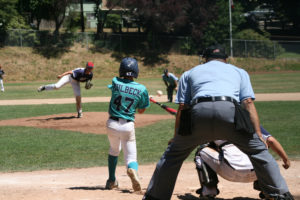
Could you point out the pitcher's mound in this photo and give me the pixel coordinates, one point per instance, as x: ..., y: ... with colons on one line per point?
x: 91, y: 122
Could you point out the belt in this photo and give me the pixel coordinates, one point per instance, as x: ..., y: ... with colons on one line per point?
x: 217, y: 98
x: 117, y: 119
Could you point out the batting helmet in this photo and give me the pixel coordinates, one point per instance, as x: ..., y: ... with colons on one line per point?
x: 129, y: 67
x: 215, y: 51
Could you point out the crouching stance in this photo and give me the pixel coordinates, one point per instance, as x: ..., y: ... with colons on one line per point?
x: 127, y: 96
x: 74, y: 77
x: 225, y: 159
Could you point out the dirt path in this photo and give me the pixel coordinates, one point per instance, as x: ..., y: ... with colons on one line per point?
x: 92, y: 122
x: 88, y: 184
x: 259, y: 97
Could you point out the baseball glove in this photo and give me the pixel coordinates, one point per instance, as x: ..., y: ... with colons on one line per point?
x: 88, y: 84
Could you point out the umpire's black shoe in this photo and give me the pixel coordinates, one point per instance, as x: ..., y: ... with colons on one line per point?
x: 285, y: 196
x: 148, y: 197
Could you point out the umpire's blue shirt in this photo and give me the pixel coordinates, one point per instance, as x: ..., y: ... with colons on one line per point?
x: 214, y: 78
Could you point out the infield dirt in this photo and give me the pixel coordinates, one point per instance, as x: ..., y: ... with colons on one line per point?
x: 88, y: 184
x: 91, y: 122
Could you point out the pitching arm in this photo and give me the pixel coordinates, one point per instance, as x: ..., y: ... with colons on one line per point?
x: 66, y: 73
x: 166, y: 83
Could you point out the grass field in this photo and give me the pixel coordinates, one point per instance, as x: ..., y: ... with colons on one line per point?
x: 27, y: 64
x: 23, y: 149
x: 262, y: 83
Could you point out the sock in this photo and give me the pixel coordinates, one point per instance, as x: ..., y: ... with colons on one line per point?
x: 112, y: 165
x: 133, y: 165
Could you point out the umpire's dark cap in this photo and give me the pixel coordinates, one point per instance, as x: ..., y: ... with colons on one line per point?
x: 215, y: 51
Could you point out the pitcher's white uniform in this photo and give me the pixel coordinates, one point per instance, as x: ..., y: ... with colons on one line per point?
x: 74, y: 79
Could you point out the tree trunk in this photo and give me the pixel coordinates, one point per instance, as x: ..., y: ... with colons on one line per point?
x: 57, y: 26
x: 58, y: 23
x: 97, y: 11
x: 38, y: 23
x: 82, y: 16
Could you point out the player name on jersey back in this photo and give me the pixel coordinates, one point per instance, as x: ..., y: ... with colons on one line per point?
x: 127, y: 89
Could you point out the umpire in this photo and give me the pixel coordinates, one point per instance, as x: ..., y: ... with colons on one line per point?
x: 211, y: 91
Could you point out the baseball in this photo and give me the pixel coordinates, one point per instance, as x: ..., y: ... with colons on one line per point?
x: 159, y: 93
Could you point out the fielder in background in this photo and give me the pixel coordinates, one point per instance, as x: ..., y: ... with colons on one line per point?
x: 74, y: 77
x: 170, y: 81
x: 127, y: 96
x: 1, y: 78
x: 225, y: 159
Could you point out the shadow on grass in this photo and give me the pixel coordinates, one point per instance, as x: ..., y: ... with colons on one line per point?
x: 189, y: 196
x: 51, y: 51
x: 97, y: 188
x: 149, y: 58
x: 52, y: 45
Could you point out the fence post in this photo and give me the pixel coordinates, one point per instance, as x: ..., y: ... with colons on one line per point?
x: 86, y: 41
x: 274, y: 53
x: 21, y: 42
x: 245, y: 42
x: 120, y: 42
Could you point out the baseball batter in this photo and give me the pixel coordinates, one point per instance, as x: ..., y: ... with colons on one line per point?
x: 1, y: 78
x: 74, y: 77
x: 127, y: 96
x: 223, y: 158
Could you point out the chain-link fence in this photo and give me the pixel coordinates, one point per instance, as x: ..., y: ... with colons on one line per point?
x: 127, y: 43
x: 264, y: 48
x: 141, y: 43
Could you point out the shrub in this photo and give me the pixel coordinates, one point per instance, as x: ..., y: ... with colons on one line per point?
x: 113, y: 21
x: 253, y: 44
x: 73, y: 21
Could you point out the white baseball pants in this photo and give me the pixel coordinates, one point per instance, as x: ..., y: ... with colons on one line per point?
x: 222, y: 168
x: 63, y: 81
x: 1, y: 84
x: 121, y: 135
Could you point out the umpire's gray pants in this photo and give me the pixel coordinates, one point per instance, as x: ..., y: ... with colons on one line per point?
x: 214, y: 121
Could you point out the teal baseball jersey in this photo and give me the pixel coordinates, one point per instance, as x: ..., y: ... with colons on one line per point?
x: 126, y: 97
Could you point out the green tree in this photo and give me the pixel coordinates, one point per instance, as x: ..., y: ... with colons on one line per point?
x: 38, y: 10
x: 101, y: 15
x: 9, y: 16
x: 57, y: 12
x: 287, y: 10
x: 217, y: 30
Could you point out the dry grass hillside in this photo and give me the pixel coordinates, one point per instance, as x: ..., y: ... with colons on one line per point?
x: 27, y: 64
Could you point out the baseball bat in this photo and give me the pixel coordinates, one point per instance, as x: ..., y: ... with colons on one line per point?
x: 168, y: 109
